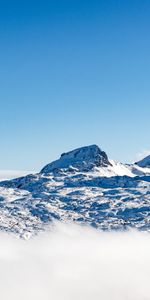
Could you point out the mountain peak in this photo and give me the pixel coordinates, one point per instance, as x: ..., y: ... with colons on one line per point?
x: 144, y: 163
x: 84, y: 158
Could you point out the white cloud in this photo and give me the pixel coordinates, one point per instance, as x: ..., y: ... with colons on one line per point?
x: 9, y: 174
x: 73, y: 263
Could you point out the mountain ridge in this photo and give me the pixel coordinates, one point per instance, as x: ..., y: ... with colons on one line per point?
x: 84, y: 187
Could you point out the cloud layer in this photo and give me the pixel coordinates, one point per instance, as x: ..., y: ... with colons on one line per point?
x: 10, y: 174
x: 74, y: 262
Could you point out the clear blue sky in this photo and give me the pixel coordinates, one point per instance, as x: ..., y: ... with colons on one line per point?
x: 73, y: 73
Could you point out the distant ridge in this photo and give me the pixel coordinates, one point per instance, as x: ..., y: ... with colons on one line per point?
x: 144, y: 163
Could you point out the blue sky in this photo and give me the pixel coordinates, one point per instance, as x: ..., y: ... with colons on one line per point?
x: 73, y: 73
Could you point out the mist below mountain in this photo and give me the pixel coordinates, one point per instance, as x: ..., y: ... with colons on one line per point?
x: 75, y: 262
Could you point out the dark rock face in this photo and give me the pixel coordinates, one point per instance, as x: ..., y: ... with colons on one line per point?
x: 84, y: 158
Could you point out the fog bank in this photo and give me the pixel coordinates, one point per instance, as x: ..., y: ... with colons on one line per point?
x: 75, y: 263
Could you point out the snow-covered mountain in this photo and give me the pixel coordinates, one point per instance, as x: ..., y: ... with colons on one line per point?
x: 92, y: 158
x: 82, y: 159
x: 83, y: 186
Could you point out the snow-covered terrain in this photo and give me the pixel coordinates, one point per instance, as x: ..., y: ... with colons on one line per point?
x: 83, y: 186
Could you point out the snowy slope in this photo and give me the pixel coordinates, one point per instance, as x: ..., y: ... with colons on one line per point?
x: 83, y: 186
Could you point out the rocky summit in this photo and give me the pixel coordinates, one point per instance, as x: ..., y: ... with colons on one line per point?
x: 83, y: 159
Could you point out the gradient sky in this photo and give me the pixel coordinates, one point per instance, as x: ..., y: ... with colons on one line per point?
x: 73, y: 73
